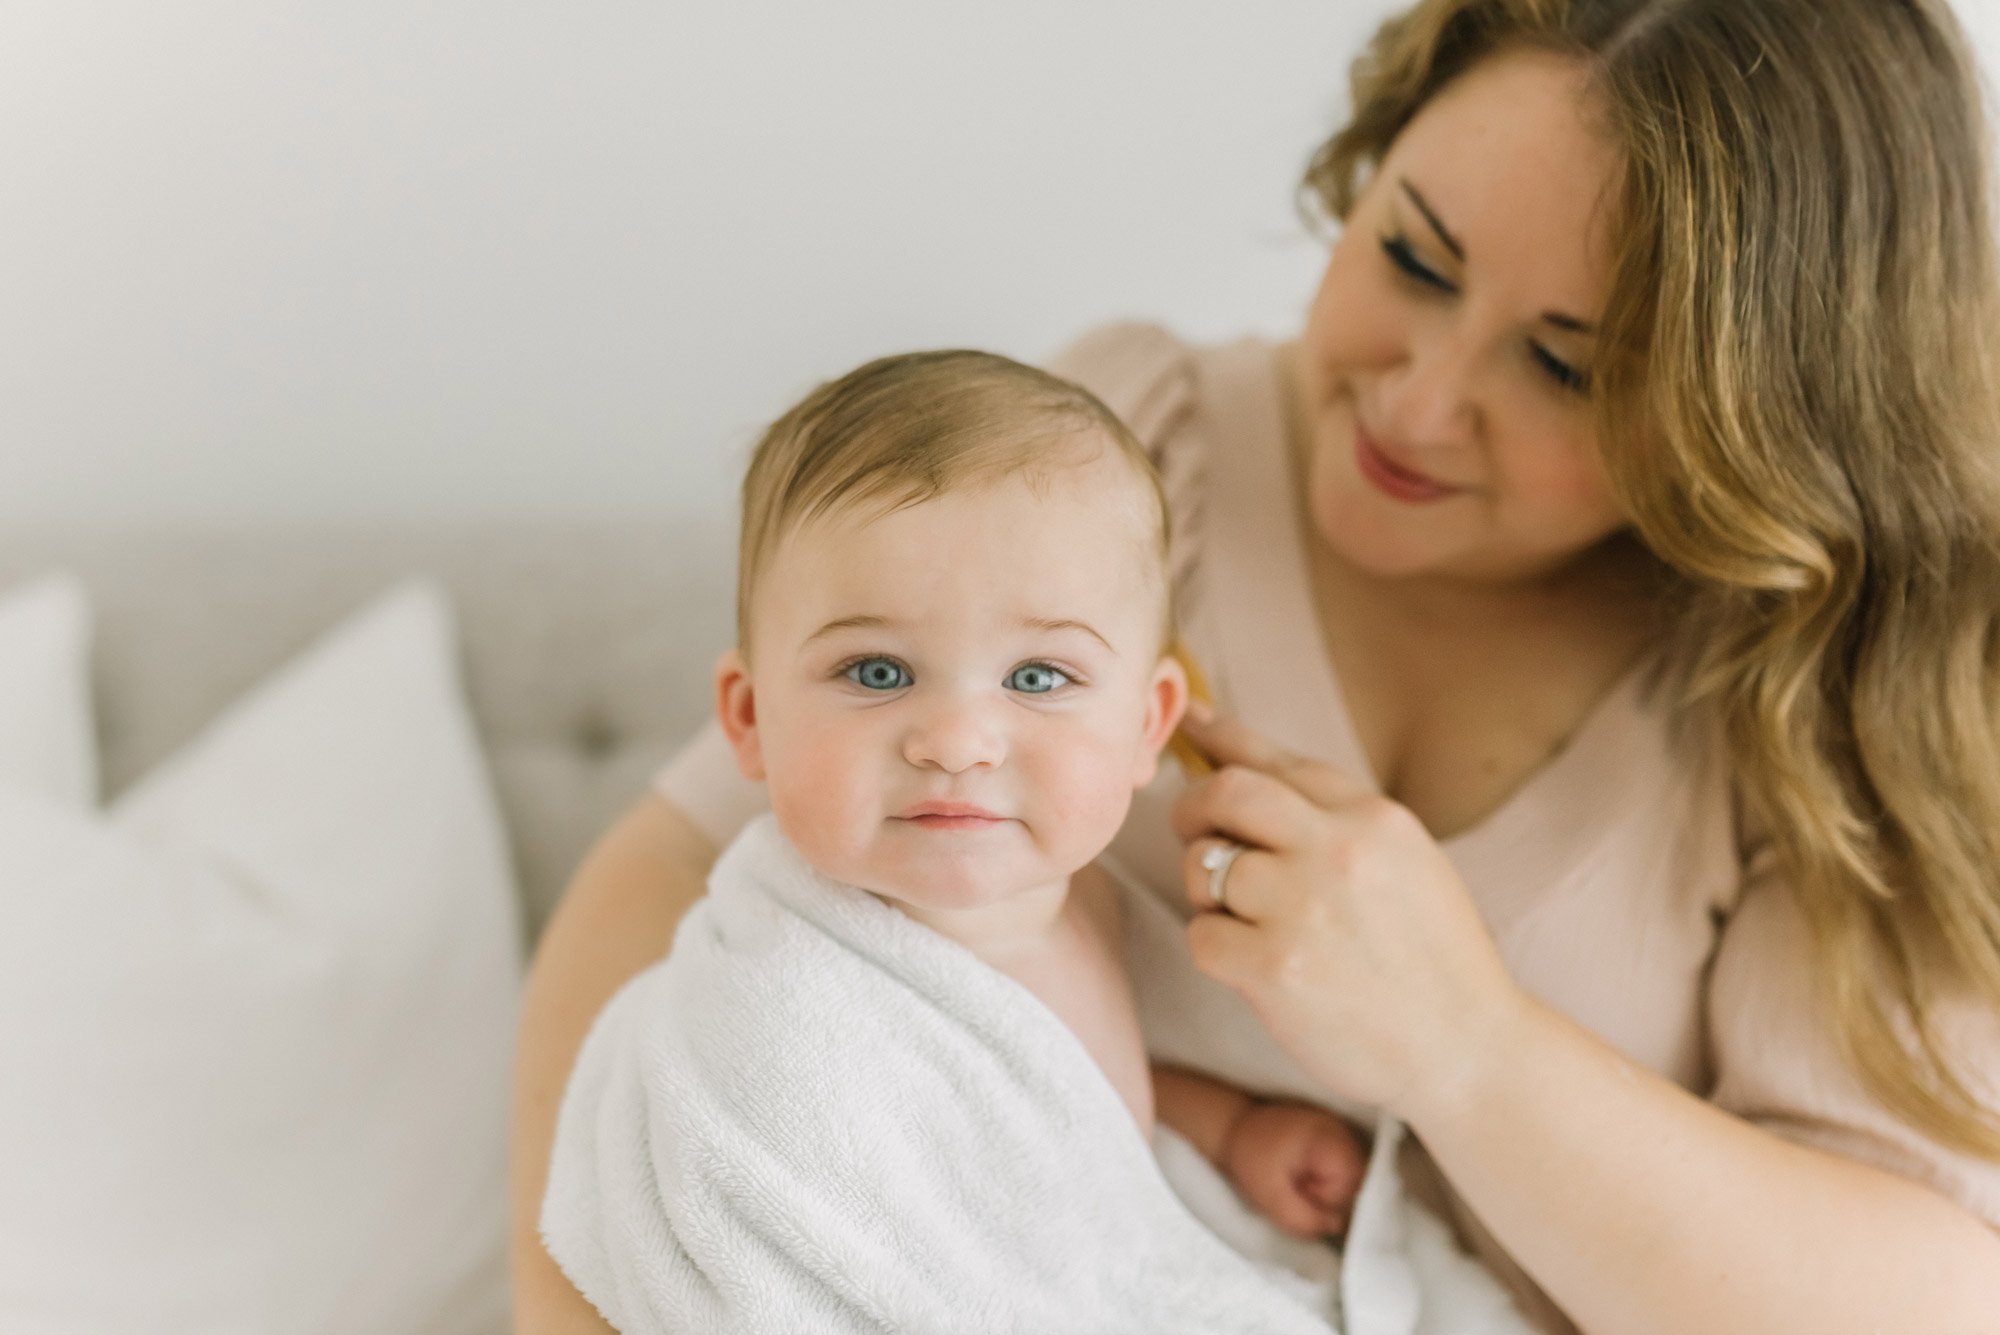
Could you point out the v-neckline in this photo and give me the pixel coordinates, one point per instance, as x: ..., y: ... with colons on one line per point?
x: 1272, y: 664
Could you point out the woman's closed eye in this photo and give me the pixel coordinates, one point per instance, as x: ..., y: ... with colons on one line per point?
x: 1401, y: 254
x: 1561, y: 371
x: 1397, y: 248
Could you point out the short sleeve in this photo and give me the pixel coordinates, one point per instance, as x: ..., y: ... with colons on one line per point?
x: 703, y: 781
x: 1778, y: 1063
x: 1148, y: 377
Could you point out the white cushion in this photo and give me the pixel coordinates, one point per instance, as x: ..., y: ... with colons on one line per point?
x: 255, y: 1022
x: 45, y: 722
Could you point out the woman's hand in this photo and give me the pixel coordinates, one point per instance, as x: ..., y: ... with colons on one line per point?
x: 1347, y: 928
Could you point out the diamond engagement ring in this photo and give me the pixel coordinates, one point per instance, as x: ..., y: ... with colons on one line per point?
x: 1217, y: 860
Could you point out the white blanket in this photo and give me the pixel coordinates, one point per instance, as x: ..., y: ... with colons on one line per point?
x: 818, y: 1115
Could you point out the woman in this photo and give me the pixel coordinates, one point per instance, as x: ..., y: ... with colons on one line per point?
x: 1621, y: 537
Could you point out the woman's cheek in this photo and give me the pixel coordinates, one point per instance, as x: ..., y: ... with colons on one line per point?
x: 1358, y: 320
x: 1568, y: 490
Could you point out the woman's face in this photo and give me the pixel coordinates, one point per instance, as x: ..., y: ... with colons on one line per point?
x: 1444, y: 368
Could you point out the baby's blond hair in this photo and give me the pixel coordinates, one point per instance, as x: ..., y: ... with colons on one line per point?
x: 909, y: 428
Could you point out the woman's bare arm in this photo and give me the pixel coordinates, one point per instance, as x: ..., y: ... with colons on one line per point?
x: 617, y: 917
x: 1641, y: 1208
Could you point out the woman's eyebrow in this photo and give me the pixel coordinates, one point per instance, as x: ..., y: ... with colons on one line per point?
x: 1430, y: 216
x: 1452, y: 244
x: 1569, y: 322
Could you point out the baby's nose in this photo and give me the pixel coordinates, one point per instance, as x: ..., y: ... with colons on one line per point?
x: 954, y: 736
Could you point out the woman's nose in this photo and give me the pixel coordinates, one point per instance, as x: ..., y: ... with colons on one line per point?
x: 1432, y: 405
x: 955, y: 735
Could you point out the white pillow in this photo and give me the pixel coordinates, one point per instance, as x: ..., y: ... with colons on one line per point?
x: 255, y: 1022
x: 46, y: 745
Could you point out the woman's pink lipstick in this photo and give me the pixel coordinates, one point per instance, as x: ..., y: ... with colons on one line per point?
x: 1392, y: 479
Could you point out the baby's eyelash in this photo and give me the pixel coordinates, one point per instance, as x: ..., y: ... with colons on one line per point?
x: 1070, y: 677
x: 846, y: 670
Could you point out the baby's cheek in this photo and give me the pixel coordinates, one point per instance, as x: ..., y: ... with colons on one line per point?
x: 1085, y: 794
x: 818, y: 793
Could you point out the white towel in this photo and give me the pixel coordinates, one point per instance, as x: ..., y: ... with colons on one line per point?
x: 819, y: 1116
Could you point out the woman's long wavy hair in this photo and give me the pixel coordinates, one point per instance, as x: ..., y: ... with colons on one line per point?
x: 1799, y: 388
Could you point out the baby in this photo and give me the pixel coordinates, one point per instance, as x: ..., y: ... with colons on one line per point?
x: 880, y: 1078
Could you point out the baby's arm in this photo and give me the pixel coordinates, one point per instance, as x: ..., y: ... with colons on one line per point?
x: 1297, y: 1164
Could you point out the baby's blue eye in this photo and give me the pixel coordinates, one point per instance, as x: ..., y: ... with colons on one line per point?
x: 878, y: 674
x: 1036, y: 678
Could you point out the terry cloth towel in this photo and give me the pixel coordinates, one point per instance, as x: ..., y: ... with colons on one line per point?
x: 818, y: 1115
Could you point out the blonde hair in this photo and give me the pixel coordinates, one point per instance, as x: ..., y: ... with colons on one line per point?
x: 1799, y: 409
x: 906, y: 429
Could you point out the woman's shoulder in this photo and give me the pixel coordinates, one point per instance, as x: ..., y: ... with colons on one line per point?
x: 1143, y: 371
x: 1187, y: 403
x: 1778, y: 1060
x: 1172, y: 391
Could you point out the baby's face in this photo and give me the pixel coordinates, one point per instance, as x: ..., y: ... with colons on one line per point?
x: 952, y: 704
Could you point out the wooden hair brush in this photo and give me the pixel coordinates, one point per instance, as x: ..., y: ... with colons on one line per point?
x: 1193, y: 761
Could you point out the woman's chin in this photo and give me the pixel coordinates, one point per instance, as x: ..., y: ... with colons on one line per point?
x: 1359, y: 536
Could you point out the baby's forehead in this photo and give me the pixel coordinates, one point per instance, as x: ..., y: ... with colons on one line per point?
x: 1085, y: 473
x: 1030, y: 543
x: 1074, y: 503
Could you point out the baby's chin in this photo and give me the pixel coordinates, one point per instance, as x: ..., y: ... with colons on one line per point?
x: 944, y: 869
x: 953, y: 897
x: 947, y: 884
x: 949, y: 879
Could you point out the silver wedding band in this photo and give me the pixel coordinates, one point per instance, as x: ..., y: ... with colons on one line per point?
x: 1218, y: 858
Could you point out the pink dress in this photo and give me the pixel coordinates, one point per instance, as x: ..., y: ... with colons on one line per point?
x: 1616, y: 880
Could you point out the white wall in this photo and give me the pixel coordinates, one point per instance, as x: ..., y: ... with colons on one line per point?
x: 473, y: 257
x: 470, y: 257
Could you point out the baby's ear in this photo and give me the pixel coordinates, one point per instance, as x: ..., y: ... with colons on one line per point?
x: 1166, y: 701
x: 736, y: 710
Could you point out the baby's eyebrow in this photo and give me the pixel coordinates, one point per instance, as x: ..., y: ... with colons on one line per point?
x: 1033, y: 623
x: 1064, y: 623
x: 850, y: 623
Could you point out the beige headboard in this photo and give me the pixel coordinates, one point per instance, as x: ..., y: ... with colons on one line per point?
x: 586, y: 646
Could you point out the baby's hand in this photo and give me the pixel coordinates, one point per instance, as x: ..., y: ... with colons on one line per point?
x: 1299, y: 1165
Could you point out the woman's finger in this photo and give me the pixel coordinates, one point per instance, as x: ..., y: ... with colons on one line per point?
x: 1245, y: 894
x: 1227, y: 740
x: 1224, y: 948
x: 1246, y: 805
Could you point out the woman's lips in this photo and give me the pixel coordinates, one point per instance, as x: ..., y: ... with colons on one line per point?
x: 1392, y: 479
